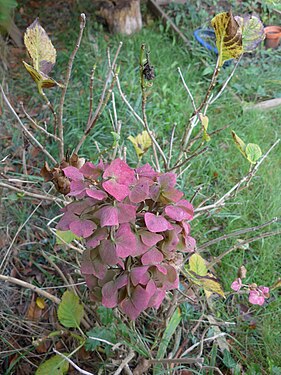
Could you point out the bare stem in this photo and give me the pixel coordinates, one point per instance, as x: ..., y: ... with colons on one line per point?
x: 67, y: 78
x: 26, y: 131
x: 91, y: 93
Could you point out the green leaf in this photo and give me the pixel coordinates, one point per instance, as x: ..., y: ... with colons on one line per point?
x: 168, y: 333
x: 104, y: 333
x: 141, y: 142
x: 56, y: 365
x: 228, y: 37
x: 40, y: 47
x: 105, y: 314
x: 65, y: 236
x: 228, y: 361
x: 70, y: 311
x: 252, y: 32
x: 253, y: 152
x: 239, y: 143
x: 197, y: 264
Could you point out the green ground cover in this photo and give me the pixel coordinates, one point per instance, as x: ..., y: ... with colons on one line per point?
x: 216, y: 171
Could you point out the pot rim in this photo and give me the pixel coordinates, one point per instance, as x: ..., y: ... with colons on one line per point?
x: 272, y: 32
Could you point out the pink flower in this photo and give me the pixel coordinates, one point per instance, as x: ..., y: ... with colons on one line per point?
x: 258, y: 295
x: 236, y: 285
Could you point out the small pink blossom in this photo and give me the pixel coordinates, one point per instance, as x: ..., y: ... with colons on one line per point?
x: 236, y: 285
x: 258, y: 296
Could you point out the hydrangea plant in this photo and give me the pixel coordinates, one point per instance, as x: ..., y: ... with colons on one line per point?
x: 135, y: 223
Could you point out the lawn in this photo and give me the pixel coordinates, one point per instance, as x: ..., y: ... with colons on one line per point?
x: 254, y: 339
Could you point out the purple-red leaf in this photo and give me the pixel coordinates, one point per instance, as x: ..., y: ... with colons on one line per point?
x: 96, y: 194
x: 120, y: 172
x: 125, y: 240
x: 108, y: 215
x: 92, y: 171
x: 153, y: 256
x: 156, y: 223
x: 150, y: 239
x: 182, y: 210
x: 82, y: 228
x: 126, y: 213
x: 73, y: 173
x: 107, y: 252
x: 139, y: 192
x: 139, y: 275
x: 98, y: 235
x: 109, y: 295
x: 117, y: 190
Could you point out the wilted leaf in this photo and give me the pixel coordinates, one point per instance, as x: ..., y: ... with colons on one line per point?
x: 211, y: 284
x: 65, y: 236
x: 252, y: 32
x: 253, y: 152
x: 239, y: 143
x: 40, y: 303
x: 197, y: 264
x: 70, y: 311
x: 40, y: 48
x: 141, y: 142
x: 228, y: 37
x: 56, y: 365
x: 42, y: 80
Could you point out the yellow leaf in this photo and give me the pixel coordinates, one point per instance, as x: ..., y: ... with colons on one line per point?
x: 207, y: 293
x: 239, y: 143
x: 211, y: 284
x: 40, y: 303
x: 40, y: 48
x: 228, y: 36
x: 141, y: 142
x: 205, y: 122
x: 197, y: 265
x: 41, y: 79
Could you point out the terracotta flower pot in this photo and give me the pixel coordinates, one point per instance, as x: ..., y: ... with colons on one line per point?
x: 272, y: 36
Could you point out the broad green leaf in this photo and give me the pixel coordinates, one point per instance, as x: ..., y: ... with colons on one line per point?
x: 40, y: 48
x: 228, y: 37
x: 239, y: 143
x: 42, y: 80
x: 65, y: 236
x: 197, y: 265
x: 70, y: 311
x: 252, y: 32
x: 253, y: 152
x: 166, y: 338
x: 56, y: 365
x: 228, y: 361
x: 105, y: 314
x: 141, y: 142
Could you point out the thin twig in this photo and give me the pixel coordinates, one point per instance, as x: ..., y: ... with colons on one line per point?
x: 27, y: 132
x: 235, y: 234
x: 34, y: 288
x: 91, y: 93
x: 66, y: 82
x: 92, y: 121
x: 52, y: 109
x: 199, y: 343
x: 171, y: 144
x: 36, y: 126
x: 187, y: 89
x: 84, y: 372
x: 32, y: 195
x: 125, y: 362
x: 177, y: 360
x: 189, y: 158
x: 241, y: 244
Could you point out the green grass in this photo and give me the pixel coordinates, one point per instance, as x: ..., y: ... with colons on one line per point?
x: 217, y: 170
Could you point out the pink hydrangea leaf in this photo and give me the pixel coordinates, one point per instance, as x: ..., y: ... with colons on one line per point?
x: 256, y: 298
x: 121, y: 281
x: 99, y: 268
x: 129, y: 308
x: 120, y: 171
x: 107, y: 251
x: 156, y: 223
x: 150, y: 288
x: 139, y: 275
x: 186, y: 227
x: 154, y: 192
x: 156, y: 300
x: 161, y: 269
x: 98, y: 235
x: 150, y: 239
x: 125, y: 240
x: 182, y: 210
x: 189, y: 244
x: 167, y: 180
x: 170, y: 280
x: 141, y: 248
x: 140, y: 298
x: 108, y: 216
x: 66, y: 220
x: 109, y: 295
x: 139, y: 192
x: 264, y: 290
x: 146, y: 171
x: 117, y: 190
x: 86, y: 264
x: 171, y: 241
x: 91, y: 281
x: 236, y: 285
x: 91, y: 170
x: 172, y: 195
x: 153, y: 256
x: 126, y: 213
x: 77, y: 189
x: 73, y: 173
x: 82, y: 228
x: 92, y: 264
x: 96, y: 194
